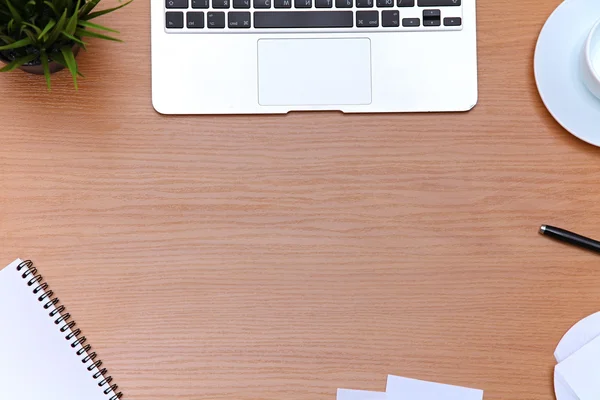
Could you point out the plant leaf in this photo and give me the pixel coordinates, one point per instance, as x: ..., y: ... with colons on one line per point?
x: 69, y: 57
x: 17, y: 62
x: 47, y: 28
x: 29, y: 34
x: 15, y: 14
x: 88, y: 7
x: 107, y: 11
x: 46, y: 66
x: 17, y: 44
x: 32, y: 26
x: 88, y: 24
x: 73, y: 38
x: 83, y: 32
x: 58, y: 57
x: 7, y: 39
x: 30, y: 6
x: 56, y: 30
x: 51, y: 6
x: 72, y: 24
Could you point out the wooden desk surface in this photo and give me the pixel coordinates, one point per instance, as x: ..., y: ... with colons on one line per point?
x: 282, y: 257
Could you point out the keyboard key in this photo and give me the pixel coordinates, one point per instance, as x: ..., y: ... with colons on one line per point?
x: 385, y: 3
x: 241, y: 3
x: 456, y: 21
x: 199, y: 3
x: 283, y: 3
x: 364, y: 3
x: 220, y: 3
x: 239, y: 20
x: 406, y: 3
x: 390, y: 18
x: 367, y: 19
x: 215, y: 19
x: 195, y: 20
x: 431, y: 22
x: 344, y: 3
x: 323, y: 3
x: 411, y: 22
x: 176, y: 3
x: 174, y: 20
x: 303, y: 3
x: 431, y: 14
x: 262, y: 3
x: 431, y: 18
x: 439, y: 3
x: 303, y: 19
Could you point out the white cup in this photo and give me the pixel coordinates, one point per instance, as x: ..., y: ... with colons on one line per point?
x: 590, y: 61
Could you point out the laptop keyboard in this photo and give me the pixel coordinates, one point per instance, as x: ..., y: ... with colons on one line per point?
x: 197, y: 16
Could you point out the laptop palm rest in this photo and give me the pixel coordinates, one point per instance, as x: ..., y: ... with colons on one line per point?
x: 305, y: 72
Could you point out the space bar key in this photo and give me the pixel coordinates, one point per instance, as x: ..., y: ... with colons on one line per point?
x: 303, y: 19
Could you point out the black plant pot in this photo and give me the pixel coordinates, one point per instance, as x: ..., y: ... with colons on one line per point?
x: 36, y: 67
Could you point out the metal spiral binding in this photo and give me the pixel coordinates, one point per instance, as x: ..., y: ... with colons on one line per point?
x: 47, y: 295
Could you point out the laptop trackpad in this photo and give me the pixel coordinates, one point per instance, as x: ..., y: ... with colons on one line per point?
x: 314, y: 72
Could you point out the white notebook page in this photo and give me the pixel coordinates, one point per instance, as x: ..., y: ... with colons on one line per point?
x: 400, y: 388
x: 350, y: 394
x: 36, y: 361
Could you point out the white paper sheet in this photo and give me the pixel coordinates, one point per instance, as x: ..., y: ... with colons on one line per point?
x: 36, y: 362
x: 561, y: 389
x: 578, y: 336
x: 400, y: 388
x: 581, y: 371
x: 349, y: 394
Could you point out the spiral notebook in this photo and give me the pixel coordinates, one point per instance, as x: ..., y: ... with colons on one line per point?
x: 42, y: 353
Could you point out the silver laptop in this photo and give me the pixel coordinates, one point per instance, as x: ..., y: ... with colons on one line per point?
x: 276, y: 56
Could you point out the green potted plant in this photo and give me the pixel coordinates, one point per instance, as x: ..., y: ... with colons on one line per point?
x: 44, y: 36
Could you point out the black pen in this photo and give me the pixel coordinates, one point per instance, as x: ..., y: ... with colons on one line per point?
x: 570, y: 238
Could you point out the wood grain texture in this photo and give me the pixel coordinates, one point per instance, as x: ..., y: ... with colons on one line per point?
x: 282, y: 257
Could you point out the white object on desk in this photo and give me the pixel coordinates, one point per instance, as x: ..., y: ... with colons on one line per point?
x: 557, y: 67
x: 36, y: 361
x: 400, y: 388
x: 418, y: 66
x: 581, y: 371
x: 590, y: 61
x: 349, y: 394
x: 577, y: 337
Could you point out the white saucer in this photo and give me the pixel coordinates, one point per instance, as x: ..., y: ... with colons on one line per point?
x: 578, y: 336
x: 557, y: 68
